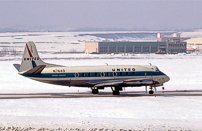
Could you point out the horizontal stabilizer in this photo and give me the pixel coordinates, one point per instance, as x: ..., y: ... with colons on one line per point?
x: 17, y: 66
x: 36, y: 70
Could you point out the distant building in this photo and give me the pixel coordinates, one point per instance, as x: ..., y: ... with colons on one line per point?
x: 170, y: 47
x: 195, y: 44
x: 190, y: 50
x: 162, y: 38
x: 174, y: 46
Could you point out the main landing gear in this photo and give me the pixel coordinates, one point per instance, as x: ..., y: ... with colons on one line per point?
x: 116, y: 93
x: 94, y: 91
x: 151, y: 92
x: 116, y: 90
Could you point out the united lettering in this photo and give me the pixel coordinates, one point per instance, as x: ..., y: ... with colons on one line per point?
x: 123, y: 69
x: 32, y: 58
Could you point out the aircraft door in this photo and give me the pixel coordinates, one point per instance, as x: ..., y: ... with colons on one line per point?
x: 76, y: 78
x: 103, y: 75
x: 114, y: 75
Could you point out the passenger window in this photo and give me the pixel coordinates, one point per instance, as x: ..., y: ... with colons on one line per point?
x: 127, y: 74
x: 89, y: 74
x: 108, y: 73
x: 121, y: 73
x: 76, y: 74
x: 82, y: 74
x: 133, y: 73
x: 114, y: 73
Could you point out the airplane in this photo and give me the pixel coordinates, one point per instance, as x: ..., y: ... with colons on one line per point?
x: 115, y: 77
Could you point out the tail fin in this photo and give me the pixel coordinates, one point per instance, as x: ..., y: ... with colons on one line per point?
x: 31, y: 58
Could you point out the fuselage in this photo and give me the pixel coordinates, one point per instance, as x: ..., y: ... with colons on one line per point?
x: 85, y: 76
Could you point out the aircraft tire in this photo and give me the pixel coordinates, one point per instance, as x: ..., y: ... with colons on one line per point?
x: 151, y: 92
x: 95, y: 91
x: 116, y: 93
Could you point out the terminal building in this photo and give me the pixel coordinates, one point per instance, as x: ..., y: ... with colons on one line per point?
x: 173, y: 46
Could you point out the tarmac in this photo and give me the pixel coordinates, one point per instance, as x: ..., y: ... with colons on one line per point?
x: 101, y: 94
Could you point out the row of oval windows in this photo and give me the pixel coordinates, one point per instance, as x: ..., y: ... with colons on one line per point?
x: 102, y: 74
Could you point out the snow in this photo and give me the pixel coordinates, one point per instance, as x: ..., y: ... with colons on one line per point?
x: 118, y: 113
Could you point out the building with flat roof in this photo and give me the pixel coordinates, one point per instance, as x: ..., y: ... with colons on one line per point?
x: 135, y: 47
x: 174, y: 46
x: 162, y: 38
x: 195, y: 44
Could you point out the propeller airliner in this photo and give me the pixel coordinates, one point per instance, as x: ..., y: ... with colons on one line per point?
x: 96, y: 77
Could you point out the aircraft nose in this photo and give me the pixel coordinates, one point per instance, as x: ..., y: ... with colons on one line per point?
x: 167, y: 78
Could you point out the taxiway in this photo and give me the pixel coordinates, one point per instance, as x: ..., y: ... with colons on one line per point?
x: 101, y: 94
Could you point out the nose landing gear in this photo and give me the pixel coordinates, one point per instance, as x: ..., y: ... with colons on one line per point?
x: 151, y: 89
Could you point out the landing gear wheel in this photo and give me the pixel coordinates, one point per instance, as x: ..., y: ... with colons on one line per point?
x: 95, y: 91
x: 116, y: 93
x: 151, y: 92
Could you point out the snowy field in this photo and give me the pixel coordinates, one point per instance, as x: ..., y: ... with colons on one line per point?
x: 67, y: 41
x: 75, y: 41
x: 150, y: 113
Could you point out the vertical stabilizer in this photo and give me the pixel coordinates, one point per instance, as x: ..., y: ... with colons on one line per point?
x: 30, y: 58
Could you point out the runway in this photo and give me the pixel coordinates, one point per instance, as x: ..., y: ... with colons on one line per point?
x: 101, y: 94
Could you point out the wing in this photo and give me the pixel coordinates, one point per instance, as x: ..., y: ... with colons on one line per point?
x: 141, y: 81
x: 126, y: 82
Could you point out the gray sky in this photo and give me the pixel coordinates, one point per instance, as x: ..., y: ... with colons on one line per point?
x: 127, y: 14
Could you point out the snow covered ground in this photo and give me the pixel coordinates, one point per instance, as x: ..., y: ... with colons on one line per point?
x: 151, y: 113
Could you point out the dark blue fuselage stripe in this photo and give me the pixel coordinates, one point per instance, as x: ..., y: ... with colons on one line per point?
x: 92, y: 74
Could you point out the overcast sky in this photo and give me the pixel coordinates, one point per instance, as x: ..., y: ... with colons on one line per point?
x: 127, y: 14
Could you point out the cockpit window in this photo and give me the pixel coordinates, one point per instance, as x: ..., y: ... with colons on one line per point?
x: 157, y: 69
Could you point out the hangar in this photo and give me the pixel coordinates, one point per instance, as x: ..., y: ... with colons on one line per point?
x: 170, y: 47
x: 195, y: 44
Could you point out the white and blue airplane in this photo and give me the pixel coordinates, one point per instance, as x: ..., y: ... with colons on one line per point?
x: 95, y: 77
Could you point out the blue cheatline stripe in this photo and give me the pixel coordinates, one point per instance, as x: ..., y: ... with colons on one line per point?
x: 34, y: 64
x: 86, y: 74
